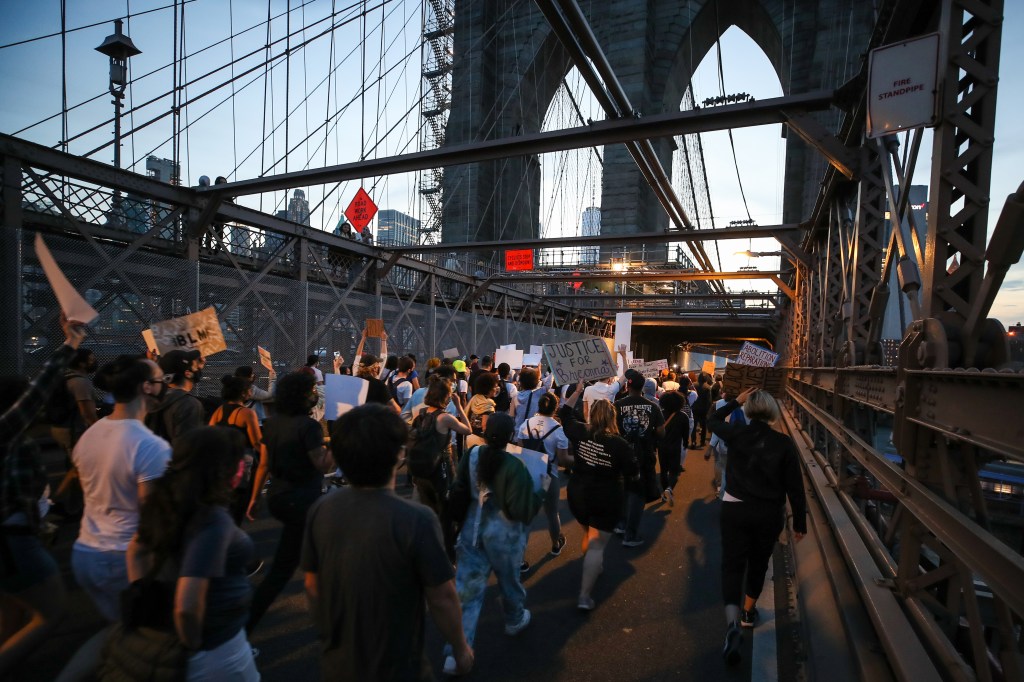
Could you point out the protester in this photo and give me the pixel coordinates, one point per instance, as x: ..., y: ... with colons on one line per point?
x: 377, y: 392
x: 505, y: 401
x: 502, y: 502
x: 701, y: 406
x: 641, y: 423
x: 595, y: 491
x: 414, y: 376
x: 484, y: 366
x: 763, y: 470
x: 390, y: 365
x: 30, y: 582
x: 295, y: 455
x: 236, y: 392
x: 672, y: 446
x: 461, y: 386
x: 605, y: 389
x: 257, y: 395
x: 528, y: 396
x: 187, y: 540
x: 542, y: 429
x: 717, y: 447
x: 312, y: 366
x: 368, y: 581
x: 71, y: 410
x: 399, y: 383
x: 178, y: 411
x: 482, y: 405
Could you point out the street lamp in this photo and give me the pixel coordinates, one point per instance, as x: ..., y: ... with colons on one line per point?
x: 119, y: 48
x: 758, y: 254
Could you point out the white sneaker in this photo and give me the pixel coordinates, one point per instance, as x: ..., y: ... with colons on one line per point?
x: 512, y: 630
x: 671, y: 497
x: 585, y: 604
x: 450, y: 666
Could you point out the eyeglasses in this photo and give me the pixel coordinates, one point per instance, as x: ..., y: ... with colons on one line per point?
x: 161, y: 380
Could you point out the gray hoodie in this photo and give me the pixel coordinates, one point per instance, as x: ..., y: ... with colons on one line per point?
x: 179, y: 412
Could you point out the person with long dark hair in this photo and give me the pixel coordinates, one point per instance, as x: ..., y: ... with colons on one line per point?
x: 502, y: 502
x: 186, y: 537
x: 596, y: 492
x: 294, y: 453
x: 762, y: 471
x: 700, y: 411
x: 234, y: 414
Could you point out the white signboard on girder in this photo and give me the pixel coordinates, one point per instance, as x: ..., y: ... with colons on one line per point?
x: 903, y: 85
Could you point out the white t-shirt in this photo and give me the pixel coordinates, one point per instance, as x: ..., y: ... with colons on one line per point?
x: 600, y: 391
x: 318, y: 374
x: 113, y: 456
x: 538, y: 426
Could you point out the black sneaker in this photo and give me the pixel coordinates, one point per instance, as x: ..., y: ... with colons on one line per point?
x: 733, y: 640
x: 749, y: 618
x: 556, y: 548
x: 524, y: 567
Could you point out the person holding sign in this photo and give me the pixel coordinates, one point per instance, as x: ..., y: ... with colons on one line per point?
x: 763, y: 470
x: 595, y: 492
x: 501, y: 503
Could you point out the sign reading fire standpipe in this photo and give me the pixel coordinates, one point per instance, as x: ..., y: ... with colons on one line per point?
x: 903, y: 85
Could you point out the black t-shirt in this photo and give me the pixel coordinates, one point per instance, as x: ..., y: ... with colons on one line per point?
x: 289, y: 438
x: 677, y: 428
x: 374, y: 553
x: 215, y: 548
x: 377, y: 392
x: 639, y: 418
x: 605, y: 456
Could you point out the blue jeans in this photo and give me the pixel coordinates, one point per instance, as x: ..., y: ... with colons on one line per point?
x: 551, y: 509
x: 499, y: 547
x: 103, y: 576
x: 634, y: 504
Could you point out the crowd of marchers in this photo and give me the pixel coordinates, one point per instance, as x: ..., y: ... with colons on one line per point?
x: 161, y: 485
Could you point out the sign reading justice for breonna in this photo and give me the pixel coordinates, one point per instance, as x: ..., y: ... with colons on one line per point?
x: 581, y: 360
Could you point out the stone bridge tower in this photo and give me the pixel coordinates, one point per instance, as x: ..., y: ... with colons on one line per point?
x: 508, y: 65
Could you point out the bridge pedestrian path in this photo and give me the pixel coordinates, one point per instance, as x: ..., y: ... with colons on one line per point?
x: 658, y: 615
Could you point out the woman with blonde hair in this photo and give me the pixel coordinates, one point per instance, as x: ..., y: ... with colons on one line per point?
x: 595, y: 492
x: 762, y: 470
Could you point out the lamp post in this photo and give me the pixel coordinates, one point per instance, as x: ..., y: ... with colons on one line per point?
x: 119, y: 48
x: 759, y: 254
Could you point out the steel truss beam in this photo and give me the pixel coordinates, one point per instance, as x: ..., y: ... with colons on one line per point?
x: 741, y: 115
x: 645, y: 276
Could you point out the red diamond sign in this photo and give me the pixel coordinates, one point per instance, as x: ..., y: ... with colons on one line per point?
x: 361, y: 211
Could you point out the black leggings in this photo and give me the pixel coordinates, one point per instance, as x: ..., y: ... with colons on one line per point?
x: 749, y: 533
x: 700, y: 419
x: 669, y: 456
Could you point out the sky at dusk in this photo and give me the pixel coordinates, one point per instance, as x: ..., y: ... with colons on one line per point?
x: 329, y: 122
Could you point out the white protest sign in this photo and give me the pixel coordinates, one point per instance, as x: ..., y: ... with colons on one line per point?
x: 450, y: 353
x: 507, y: 346
x: 623, y: 330
x: 513, y: 357
x: 199, y: 331
x: 651, y: 369
x: 536, y: 350
x: 71, y: 302
x: 147, y: 336
x: 903, y: 85
x: 536, y: 462
x: 531, y: 359
x: 755, y: 356
x: 343, y: 392
x: 636, y: 362
x: 581, y: 360
x: 265, y: 358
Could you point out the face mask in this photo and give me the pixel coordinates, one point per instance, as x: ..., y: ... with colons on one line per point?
x: 313, y: 400
x: 196, y: 376
x: 153, y: 399
x: 236, y: 480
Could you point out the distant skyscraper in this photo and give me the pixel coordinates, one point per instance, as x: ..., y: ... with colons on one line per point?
x: 395, y: 228
x: 298, y: 208
x: 591, y: 227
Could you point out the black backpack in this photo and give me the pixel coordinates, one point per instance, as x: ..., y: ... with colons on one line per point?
x: 393, y: 383
x: 533, y: 442
x: 427, y: 447
x: 503, y: 400
x: 61, y: 406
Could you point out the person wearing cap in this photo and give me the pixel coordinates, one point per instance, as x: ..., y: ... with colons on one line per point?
x: 502, y: 503
x: 179, y: 412
x: 463, y: 385
x: 641, y: 423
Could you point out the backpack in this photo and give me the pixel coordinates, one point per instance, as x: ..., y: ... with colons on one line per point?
x: 503, y: 400
x: 61, y: 406
x: 426, y: 447
x: 393, y: 382
x: 533, y: 442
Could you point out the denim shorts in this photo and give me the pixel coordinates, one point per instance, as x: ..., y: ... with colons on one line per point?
x: 24, y: 562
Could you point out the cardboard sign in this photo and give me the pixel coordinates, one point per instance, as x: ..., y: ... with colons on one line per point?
x: 623, y: 330
x: 708, y: 367
x: 513, y: 357
x: 147, y: 336
x: 375, y: 328
x: 651, y: 369
x: 519, y: 260
x: 450, y: 353
x: 199, y: 331
x: 361, y: 211
x: 581, y: 360
x: 531, y: 359
x: 343, y: 392
x: 265, y: 358
x: 756, y: 356
x: 740, y: 377
x: 71, y: 302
